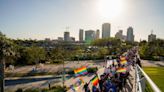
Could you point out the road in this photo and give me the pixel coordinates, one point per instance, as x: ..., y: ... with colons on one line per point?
x: 43, y: 81
x: 10, y: 82
x: 13, y: 83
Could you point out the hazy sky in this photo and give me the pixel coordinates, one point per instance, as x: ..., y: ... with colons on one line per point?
x: 39, y: 19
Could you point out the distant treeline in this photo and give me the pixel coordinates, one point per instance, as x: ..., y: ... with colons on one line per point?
x: 27, y: 52
x: 153, y: 50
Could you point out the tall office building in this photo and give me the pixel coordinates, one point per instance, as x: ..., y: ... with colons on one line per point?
x: 89, y: 35
x: 130, y: 36
x: 106, y: 30
x: 60, y: 38
x: 81, y: 31
x: 151, y: 37
x: 97, y: 34
x: 119, y: 35
x: 66, y: 36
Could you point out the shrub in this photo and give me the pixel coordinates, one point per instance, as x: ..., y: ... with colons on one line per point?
x: 19, y: 90
x: 32, y: 90
x: 92, y: 70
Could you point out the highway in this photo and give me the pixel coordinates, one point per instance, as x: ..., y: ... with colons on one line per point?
x: 16, y: 81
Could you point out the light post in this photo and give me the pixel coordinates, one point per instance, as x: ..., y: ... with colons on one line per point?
x: 63, y: 74
x: 61, y: 58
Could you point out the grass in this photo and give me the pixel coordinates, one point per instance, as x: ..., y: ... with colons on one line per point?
x: 157, y: 75
x: 148, y: 87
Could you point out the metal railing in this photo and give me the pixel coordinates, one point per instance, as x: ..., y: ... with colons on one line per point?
x: 141, y: 76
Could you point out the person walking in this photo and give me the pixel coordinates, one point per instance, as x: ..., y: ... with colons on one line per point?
x: 139, y: 62
x: 86, y: 88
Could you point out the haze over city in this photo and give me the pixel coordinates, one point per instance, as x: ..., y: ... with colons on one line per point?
x: 48, y: 19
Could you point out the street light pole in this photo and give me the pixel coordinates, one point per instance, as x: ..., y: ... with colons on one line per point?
x: 63, y: 74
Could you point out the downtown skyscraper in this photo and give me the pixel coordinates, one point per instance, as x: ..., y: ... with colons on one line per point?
x: 66, y: 36
x: 106, y: 28
x: 81, y: 32
x: 89, y: 36
x: 151, y: 37
x: 130, y: 35
x: 97, y: 34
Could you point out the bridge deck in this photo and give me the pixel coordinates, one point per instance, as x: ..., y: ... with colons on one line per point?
x: 129, y: 87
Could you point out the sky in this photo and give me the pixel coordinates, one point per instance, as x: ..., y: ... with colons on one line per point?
x: 40, y: 19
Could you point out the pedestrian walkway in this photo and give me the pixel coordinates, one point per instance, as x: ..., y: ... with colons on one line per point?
x: 117, y: 75
x: 129, y: 87
x: 131, y: 83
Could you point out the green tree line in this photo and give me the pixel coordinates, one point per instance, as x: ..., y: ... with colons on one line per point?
x: 153, y: 50
x: 27, y: 52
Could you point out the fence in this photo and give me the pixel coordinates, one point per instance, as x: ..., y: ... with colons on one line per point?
x: 141, y: 78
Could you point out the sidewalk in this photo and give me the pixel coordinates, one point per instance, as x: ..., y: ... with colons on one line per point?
x: 149, y: 63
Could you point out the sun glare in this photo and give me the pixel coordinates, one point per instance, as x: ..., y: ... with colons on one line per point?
x: 110, y: 8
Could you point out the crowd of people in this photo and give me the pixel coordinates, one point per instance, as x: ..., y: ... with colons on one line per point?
x: 113, y: 80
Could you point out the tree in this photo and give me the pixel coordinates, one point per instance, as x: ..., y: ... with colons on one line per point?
x: 152, y: 50
x: 58, y: 54
x: 113, y: 44
x: 102, y: 52
x: 6, y: 50
x: 30, y: 55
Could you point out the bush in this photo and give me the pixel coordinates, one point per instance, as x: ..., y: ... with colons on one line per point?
x: 19, y: 90
x: 32, y: 90
x: 56, y: 62
x: 92, y: 70
x: 54, y: 89
x: 58, y: 89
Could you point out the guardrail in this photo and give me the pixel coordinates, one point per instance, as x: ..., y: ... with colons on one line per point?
x: 141, y: 76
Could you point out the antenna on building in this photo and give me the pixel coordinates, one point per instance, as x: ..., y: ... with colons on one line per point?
x: 152, y: 31
x: 67, y: 28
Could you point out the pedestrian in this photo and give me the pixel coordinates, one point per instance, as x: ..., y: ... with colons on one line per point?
x: 86, y: 88
x: 95, y: 89
x: 49, y: 85
x: 139, y: 62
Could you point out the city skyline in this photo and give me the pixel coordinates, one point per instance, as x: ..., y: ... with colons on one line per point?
x: 36, y: 19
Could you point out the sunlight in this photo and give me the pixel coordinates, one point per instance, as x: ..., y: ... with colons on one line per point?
x: 110, y: 8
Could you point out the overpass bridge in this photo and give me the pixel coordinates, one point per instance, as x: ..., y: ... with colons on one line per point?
x: 137, y: 83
